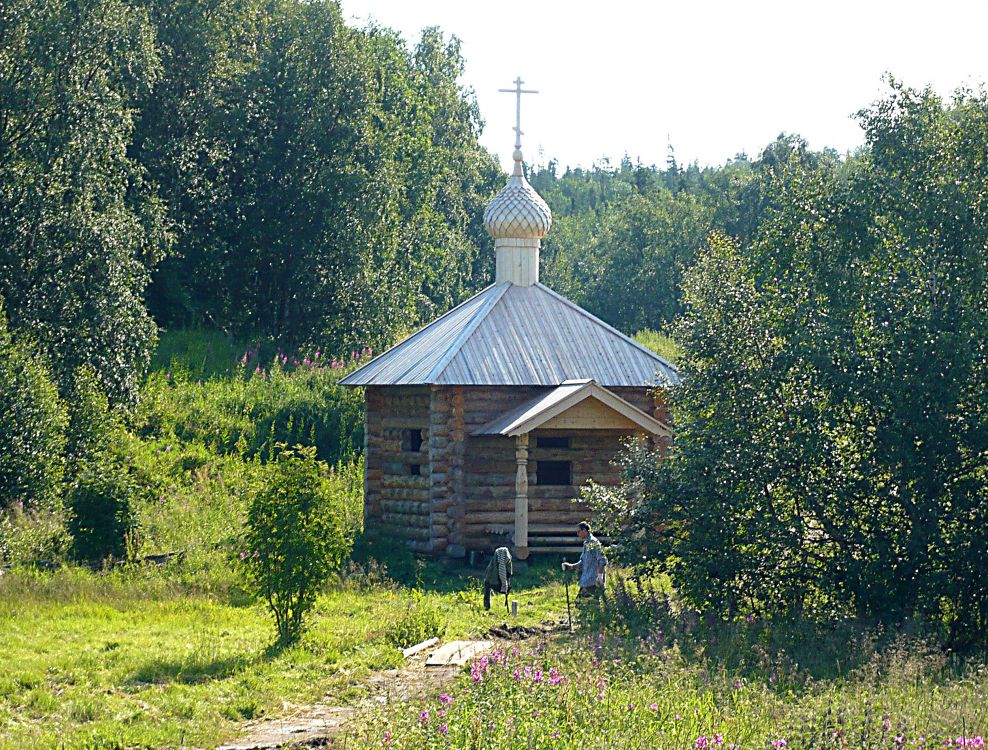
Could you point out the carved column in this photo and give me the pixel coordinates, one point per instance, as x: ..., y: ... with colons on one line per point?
x: 521, y: 497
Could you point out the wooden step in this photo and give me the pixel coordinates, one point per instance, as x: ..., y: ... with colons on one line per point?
x: 549, y: 528
x: 555, y: 550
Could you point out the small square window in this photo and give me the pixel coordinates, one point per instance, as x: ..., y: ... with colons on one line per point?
x: 415, y: 470
x: 554, y: 472
x: 552, y: 441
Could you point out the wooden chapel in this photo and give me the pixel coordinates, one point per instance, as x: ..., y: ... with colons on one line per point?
x: 481, y: 427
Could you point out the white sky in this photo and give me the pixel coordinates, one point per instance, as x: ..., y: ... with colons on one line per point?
x: 714, y: 78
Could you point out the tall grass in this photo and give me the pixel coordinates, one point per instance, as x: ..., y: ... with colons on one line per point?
x: 663, y: 345
x: 640, y: 674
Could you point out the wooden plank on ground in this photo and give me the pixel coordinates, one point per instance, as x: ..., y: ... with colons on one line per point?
x: 458, y: 653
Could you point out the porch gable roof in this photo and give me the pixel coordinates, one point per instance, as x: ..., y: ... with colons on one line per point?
x: 546, y: 407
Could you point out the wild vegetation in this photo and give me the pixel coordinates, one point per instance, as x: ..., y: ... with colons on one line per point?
x: 209, y: 213
x: 641, y: 675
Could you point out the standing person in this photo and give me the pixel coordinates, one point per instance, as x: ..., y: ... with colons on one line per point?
x: 592, y: 564
x: 498, y: 576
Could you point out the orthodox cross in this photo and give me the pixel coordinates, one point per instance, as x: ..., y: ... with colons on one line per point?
x: 518, y: 91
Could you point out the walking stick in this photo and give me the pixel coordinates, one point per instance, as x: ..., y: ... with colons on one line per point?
x: 569, y: 612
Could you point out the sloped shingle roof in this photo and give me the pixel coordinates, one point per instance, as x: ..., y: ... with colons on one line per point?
x: 516, y: 335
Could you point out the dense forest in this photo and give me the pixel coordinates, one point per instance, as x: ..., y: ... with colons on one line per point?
x: 263, y: 173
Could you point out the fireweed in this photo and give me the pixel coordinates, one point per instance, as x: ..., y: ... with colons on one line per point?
x: 616, y: 692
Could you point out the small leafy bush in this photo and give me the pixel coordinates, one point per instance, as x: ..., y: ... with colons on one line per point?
x: 32, y: 535
x: 100, y: 512
x: 100, y: 494
x: 32, y: 428
x: 421, y: 620
x: 295, y: 537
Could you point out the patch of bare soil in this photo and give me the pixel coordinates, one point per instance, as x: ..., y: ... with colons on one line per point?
x: 506, y: 632
x: 316, y: 725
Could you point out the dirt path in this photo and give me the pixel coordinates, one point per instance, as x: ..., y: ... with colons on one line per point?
x: 315, y: 725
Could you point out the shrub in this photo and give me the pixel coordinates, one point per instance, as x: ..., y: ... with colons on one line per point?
x: 32, y: 535
x: 295, y: 536
x: 32, y: 428
x: 100, y: 512
x: 100, y: 491
x: 421, y: 620
x: 94, y: 431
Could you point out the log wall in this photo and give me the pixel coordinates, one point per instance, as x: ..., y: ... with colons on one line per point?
x: 396, y: 502
x: 463, y: 498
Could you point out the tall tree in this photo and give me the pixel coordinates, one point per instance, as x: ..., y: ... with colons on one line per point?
x: 78, y: 225
x: 832, y: 445
x: 325, y: 179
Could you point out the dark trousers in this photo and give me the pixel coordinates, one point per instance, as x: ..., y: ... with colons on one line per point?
x: 592, y: 592
x: 487, y: 594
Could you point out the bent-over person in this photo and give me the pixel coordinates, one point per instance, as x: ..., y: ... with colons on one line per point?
x: 592, y: 564
x: 497, y: 577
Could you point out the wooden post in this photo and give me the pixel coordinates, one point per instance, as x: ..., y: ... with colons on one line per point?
x: 521, y: 497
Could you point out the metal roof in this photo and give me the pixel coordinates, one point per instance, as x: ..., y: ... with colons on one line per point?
x: 516, y: 335
x: 535, y: 413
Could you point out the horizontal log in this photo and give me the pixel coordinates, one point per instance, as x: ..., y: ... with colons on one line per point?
x: 405, y: 506
x: 508, y: 517
x: 488, y: 478
x: 411, y: 481
x: 407, y: 525
x: 545, y: 529
x: 415, y: 494
x: 407, y: 532
x: 407, y: 422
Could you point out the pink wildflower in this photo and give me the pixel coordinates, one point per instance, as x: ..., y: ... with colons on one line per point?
x: 443, y: 728
x: 424, y: 717
x: 445, y: 699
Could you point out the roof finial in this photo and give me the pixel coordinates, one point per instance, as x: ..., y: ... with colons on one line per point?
x: 518, y: 91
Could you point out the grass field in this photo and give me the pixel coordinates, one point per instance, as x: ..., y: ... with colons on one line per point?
x: 670, y: 680
x: 137, y: 659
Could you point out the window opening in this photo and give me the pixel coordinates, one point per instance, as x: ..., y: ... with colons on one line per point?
x: 554, y: 472
x: 413, y: 440
x: 552, y: 441
x: 412, y: 443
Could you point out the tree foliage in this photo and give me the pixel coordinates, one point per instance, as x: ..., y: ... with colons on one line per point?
x: 326, y: 182
x: 832, y: 435
x: 32, y: 429
x: 79, y: 225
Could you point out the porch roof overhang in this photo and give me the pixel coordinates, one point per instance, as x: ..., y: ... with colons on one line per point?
x: 542, y: 410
